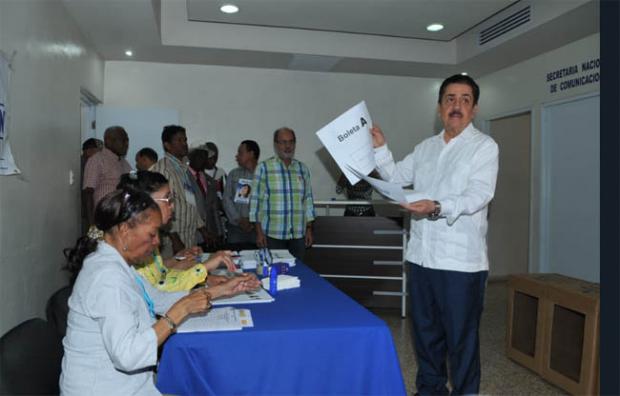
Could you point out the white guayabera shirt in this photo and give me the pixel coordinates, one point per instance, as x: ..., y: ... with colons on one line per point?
x: 461, y: 176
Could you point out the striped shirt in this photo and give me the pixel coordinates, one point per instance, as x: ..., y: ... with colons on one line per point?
x: 103, y: 172
x: 281, y: 198
x: 186, y: 219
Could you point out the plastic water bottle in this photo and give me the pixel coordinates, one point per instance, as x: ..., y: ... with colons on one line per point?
x: 273, y: 281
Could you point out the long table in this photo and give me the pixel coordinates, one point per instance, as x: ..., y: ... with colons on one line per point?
x: 313, y: 340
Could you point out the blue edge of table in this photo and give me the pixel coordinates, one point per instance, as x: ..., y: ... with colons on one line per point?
x: 314, y: 340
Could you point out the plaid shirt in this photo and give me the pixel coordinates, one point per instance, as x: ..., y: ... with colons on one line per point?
x: 281, y: 198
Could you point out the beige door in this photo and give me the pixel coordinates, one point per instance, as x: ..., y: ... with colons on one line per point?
x: 509, y: 213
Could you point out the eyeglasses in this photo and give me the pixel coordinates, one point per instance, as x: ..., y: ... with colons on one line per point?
x: 169, y: 199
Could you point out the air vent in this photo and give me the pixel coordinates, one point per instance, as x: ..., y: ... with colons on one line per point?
x: 504, y: 26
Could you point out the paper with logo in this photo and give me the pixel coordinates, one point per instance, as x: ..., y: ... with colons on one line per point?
x: 348, y: 141
x: 7, y: 163
x: 243, y: 190
x: 218, y: 319
x: 392, y: 191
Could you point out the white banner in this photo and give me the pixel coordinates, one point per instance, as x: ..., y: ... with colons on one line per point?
x: 7, y: 164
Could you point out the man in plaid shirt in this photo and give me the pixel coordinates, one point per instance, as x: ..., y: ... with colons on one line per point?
x: 281, y: 205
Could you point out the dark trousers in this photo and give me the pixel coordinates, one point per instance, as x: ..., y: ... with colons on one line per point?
x: 297, y: 247
x: 446, y: 307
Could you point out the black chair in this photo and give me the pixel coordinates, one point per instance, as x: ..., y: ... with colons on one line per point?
x: 30, y: 358
x: 57, y: 309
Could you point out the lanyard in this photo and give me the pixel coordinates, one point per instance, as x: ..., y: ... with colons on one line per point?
x: 147, y: 298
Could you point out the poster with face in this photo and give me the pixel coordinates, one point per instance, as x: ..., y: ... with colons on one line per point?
x: 243, y: 191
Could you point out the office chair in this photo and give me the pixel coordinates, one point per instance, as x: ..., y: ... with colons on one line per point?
x: 30, y: 358
x: 57, y: 309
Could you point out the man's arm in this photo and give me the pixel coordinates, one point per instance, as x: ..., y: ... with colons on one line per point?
x: 480, y: 185
x: 228, y: 202
x: 401, y: 172
x: 255, y: 214
x: 88, y: 197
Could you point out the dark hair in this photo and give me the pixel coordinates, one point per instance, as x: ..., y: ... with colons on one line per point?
x: 252, y: 146
x: 148, y: 153
x: 119, y: 206
x: 145, y: 181
x: 197, y: 154
x: 460, y: 79
x: 211, y: 146
x: 91, y: 143
x: 277, y: 132
x: 169, y: 131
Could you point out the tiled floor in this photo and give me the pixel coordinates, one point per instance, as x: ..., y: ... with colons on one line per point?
x: 500, y: 375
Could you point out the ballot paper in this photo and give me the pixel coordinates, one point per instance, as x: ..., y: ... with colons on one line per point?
x: 249, y: 297
x: 284, y: 282
x: 218, y: 319
x: 348, y: 141
x: 249, y: 261
x: 392, y: 191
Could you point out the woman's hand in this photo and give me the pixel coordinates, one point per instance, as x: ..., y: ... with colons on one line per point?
x: 236, y: 285
x: 214, y: 280
x: 195, y: 302
x: 220, y: 257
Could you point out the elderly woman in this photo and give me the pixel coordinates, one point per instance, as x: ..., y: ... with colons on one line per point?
x: 181, y: 272
x: 113, y: 332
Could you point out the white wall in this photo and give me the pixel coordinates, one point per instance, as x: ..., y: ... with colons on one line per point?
x: 227, y: 105
x: 39, y: 210
x: 524, y: 87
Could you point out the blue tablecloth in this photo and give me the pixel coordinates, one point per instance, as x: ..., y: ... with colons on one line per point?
x: 314, y: 340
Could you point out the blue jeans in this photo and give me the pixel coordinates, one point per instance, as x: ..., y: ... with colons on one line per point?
x: 446, y: 307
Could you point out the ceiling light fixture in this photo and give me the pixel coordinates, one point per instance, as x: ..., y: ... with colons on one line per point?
x: 463, y: 73
x: 129, y: 52
x: 229, y: 9
x: 434, y: 27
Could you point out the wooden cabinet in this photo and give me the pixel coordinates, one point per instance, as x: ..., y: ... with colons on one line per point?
x: 363, y: 257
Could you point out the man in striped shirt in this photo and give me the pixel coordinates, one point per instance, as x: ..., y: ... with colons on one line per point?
x: 104, y: 169
x: 281, y: 204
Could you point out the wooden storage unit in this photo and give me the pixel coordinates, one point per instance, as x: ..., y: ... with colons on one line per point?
x: 553, y: 329
x: 363, y: 257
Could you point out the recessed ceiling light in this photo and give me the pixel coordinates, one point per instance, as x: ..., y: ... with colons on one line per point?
x: 434, y: 27
x: 463, y: 73
x: 229, y: 9
x: 129, y: 52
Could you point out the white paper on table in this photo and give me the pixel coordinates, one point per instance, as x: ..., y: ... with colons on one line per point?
x: 391, y: 190
x: 250, y: 297
x: 348, y: 141
x: 218, y: 319
x: 248, y: 259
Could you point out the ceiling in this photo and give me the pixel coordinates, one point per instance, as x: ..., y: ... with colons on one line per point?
x: 387, y: 37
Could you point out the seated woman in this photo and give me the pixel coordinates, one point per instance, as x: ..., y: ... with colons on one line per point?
x: 181, y: 272
x: 113, y: 333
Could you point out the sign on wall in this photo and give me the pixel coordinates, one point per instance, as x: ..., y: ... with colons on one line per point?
x: 7, y: 164
x: 572, y: 76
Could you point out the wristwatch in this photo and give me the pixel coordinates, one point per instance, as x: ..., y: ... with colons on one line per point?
x: 434, y: 215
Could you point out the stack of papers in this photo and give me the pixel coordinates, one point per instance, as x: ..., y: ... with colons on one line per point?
x: 218, y: 319
x: 250, y: 297
x: 248, y: 258
x: 284, y: 282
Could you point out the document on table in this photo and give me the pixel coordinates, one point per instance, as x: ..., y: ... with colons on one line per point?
x: 392, y: 191
x: 249, y: 297
x: 348, y: 141
x: 218, y: 319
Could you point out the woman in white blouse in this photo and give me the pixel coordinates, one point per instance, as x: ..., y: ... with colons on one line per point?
x: 112, y: 332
